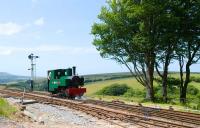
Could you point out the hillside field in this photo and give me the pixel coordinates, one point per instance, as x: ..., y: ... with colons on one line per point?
x: 93, y: 87
x: 138, y: 95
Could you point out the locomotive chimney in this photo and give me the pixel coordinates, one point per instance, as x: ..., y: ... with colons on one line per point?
x: 74, y: 70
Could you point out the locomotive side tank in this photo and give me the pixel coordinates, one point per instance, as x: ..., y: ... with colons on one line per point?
x: 65, y: 82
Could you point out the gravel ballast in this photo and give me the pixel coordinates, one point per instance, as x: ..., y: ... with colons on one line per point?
x: 53, y: 116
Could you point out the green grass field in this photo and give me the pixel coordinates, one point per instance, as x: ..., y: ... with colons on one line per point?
x: 96, y: 86
x: 93, y: 88
x: 131, y: 81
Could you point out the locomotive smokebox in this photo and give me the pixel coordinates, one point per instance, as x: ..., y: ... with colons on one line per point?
x: 74, y: 70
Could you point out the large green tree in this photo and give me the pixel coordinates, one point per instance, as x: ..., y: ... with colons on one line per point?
x: 182, y: 42
x: 129, y: 32
x: 167, y: 39
x: 143, y: 34
x: 188, y: 50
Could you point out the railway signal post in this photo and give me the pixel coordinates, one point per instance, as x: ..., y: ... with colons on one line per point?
x: 33, y: 65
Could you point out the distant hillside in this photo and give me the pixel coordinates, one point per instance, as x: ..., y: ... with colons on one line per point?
x: 41, y: 83
x: 106, y: 76
x: 6, y: 77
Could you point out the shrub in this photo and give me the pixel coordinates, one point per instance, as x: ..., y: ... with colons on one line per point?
x: 129, y: 93
x: 173, y: 81
x: 157, y: 89
x: 170, y: 81
x: 136, y: 93
x: 114, y: 90
x: 198, y: 106
x: 158, y: 80
x: 198, y: 96
x: 192, y: 90
x: 195, y: 79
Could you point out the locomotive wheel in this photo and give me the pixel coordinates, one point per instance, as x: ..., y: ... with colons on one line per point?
x: 71, y: 97
x: 66, y: 94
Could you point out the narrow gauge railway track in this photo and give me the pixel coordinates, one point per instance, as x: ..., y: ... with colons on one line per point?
x: 181, y: 117
x: 102, y: 112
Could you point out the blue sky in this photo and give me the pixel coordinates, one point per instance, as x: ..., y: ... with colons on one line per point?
x: 56, y: 30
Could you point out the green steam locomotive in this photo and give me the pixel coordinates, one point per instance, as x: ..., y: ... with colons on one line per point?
x: 66, y: 82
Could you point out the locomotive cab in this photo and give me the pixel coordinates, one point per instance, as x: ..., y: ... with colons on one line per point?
x: 66, y: 82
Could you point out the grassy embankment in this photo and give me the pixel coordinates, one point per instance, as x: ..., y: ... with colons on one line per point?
x: 136, y: 92
x: 6, y: 109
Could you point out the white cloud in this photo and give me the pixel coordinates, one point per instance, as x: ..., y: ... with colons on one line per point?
x: 6, y: 50
x: 39, y: 22
x: 10, y: 28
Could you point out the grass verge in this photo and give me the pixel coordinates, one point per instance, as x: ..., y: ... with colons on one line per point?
x: 6, y: 109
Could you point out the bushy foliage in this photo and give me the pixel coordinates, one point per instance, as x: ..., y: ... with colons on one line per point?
x: 198, y: 106
x: 172, y: 86
x: 195, y: 79
x: 198, y: 96
x: 114, y: 90
x: 192, y: 90
x: 170, y: 81
x: 157, y: 89
x: 173, y: 81
x: 172, y: 94
x: 134, y: 93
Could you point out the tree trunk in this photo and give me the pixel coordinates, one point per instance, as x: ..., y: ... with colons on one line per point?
x: 164, y: 87
x: 183, y: 90
x: 149, y: 73
x: 165, y: 75
x: 181, y: 64
x: 149, y: 94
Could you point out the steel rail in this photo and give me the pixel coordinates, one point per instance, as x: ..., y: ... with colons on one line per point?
x: 102, y: 112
